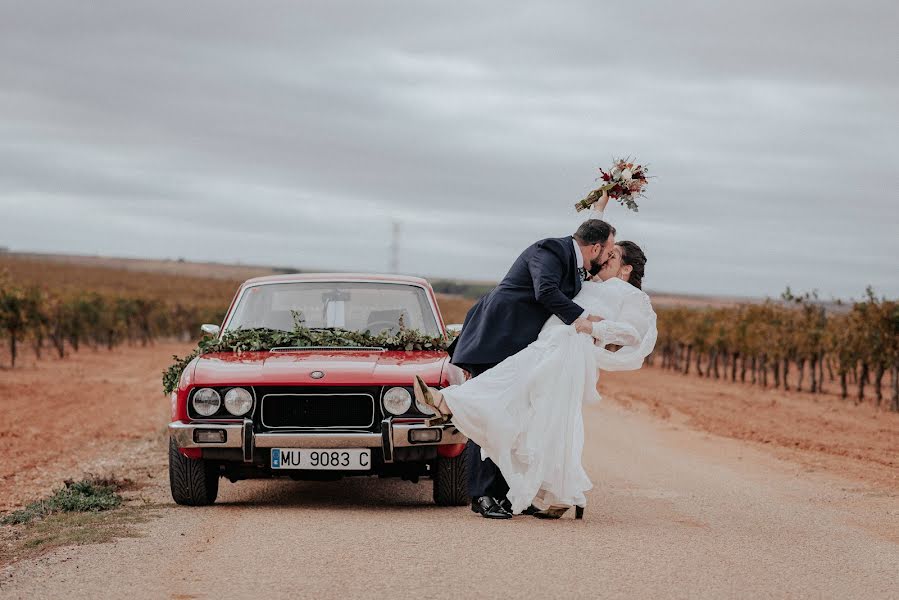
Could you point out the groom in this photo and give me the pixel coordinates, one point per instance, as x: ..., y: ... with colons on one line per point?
x: 541, y: 283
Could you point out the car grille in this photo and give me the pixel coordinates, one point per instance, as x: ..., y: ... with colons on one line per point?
x: 318, y: 409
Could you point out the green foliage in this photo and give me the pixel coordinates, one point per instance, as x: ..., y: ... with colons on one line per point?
x: 80, y: 496
x: 172, y: 374
x: 260, y: 340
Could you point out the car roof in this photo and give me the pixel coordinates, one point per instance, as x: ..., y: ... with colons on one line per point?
x: 340, y: 277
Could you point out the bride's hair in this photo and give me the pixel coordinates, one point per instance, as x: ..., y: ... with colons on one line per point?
x: 632, y: 255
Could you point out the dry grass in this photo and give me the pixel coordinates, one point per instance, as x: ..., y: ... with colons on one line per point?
x: 453, y: 308
x: 90, y: 511
x: 168, y: 280
x: 18, y: 542
x: 67, y: 278
x: 196, y: 270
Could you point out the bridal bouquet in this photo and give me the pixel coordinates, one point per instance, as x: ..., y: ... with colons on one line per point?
x: 624, y: 182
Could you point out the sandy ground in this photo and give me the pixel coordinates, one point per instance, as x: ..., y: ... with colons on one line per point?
x: 688, y: 502
x: 818, y: 431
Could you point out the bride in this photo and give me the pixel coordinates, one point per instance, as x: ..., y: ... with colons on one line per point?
x: 525, y: 413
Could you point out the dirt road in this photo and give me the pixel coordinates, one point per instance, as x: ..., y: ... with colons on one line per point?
x: 676, y: 512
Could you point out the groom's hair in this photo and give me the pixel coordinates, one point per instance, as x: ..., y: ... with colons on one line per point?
x: 593, y: 231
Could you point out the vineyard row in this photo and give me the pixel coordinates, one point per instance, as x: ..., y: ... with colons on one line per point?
x: 774, y: 343
x: 61, y: 322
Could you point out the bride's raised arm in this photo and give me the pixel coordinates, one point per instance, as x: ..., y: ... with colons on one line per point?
x: 634, y: 329
x: 596, y: 211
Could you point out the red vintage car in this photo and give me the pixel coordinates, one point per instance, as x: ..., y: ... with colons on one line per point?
x: 316, y: 413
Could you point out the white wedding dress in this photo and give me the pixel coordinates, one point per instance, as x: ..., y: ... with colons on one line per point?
x: 526, y: 412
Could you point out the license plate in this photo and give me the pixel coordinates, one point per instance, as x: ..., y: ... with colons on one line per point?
x: 355, y: 459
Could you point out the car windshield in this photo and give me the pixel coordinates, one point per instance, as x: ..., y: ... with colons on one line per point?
x: 375, y: 307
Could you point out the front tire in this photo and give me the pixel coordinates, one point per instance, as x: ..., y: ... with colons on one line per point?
x: 193, y: 482
x: 451, y: 480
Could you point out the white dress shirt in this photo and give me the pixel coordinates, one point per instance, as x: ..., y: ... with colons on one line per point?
x: 577, y: 255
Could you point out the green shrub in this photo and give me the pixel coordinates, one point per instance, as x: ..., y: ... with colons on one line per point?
x: 80, y: 496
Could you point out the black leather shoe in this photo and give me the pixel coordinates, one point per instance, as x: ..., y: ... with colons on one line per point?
x: 507, y: 506
x: 488, y: 508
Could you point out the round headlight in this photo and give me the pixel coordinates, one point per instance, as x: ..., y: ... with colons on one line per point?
x: 424, y: 408
x: 238, y: 401
x: 397, y: 400
x: 206, y: 401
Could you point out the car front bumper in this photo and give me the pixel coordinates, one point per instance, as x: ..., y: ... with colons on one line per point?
x: 393, y: 434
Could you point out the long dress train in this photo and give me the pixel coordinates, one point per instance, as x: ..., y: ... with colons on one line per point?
x: 526, y: 412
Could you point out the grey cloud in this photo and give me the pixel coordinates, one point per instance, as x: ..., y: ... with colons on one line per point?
x: 294, y: 133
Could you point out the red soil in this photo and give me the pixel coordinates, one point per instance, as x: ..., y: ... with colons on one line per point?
x: 60, y: 415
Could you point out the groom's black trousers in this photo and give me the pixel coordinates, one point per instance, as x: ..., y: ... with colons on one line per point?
x: 484, y: 477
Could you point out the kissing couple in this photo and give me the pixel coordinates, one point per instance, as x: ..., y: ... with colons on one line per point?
x: 533, y: 347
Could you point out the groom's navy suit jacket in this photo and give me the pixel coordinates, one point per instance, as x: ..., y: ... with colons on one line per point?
x: 541, y: 283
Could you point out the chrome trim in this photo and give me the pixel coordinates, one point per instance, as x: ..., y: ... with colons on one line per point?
x: 435, y: 311
x: 264, y: 424
x: 329, y: 348
x: 211, y: 329
x: 241, y: 435
x: 248, y: 442
x: 387, y: 439
x: 313, y: 440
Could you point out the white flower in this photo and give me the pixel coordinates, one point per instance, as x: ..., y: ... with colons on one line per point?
x: 627, y: 174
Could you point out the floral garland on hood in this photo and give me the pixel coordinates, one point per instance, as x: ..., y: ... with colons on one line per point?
x: 260, y: 340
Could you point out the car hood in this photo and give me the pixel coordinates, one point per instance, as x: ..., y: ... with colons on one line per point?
x: 340, y: 367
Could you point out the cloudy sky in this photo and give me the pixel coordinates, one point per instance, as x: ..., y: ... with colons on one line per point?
x: 295, y: 133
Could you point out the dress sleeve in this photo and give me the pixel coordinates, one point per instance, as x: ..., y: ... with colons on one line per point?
x: 621, y: 332
x: 634, y: 329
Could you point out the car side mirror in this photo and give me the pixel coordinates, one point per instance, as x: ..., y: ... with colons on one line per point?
x: 454, y: 328
x: 210, y: 329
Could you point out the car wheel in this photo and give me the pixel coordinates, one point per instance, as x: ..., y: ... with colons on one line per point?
x: 451, y: 480
x: 193, y: 482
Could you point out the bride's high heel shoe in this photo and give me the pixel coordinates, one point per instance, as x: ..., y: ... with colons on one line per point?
x: 425, y: 395
x: 556, y: 512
